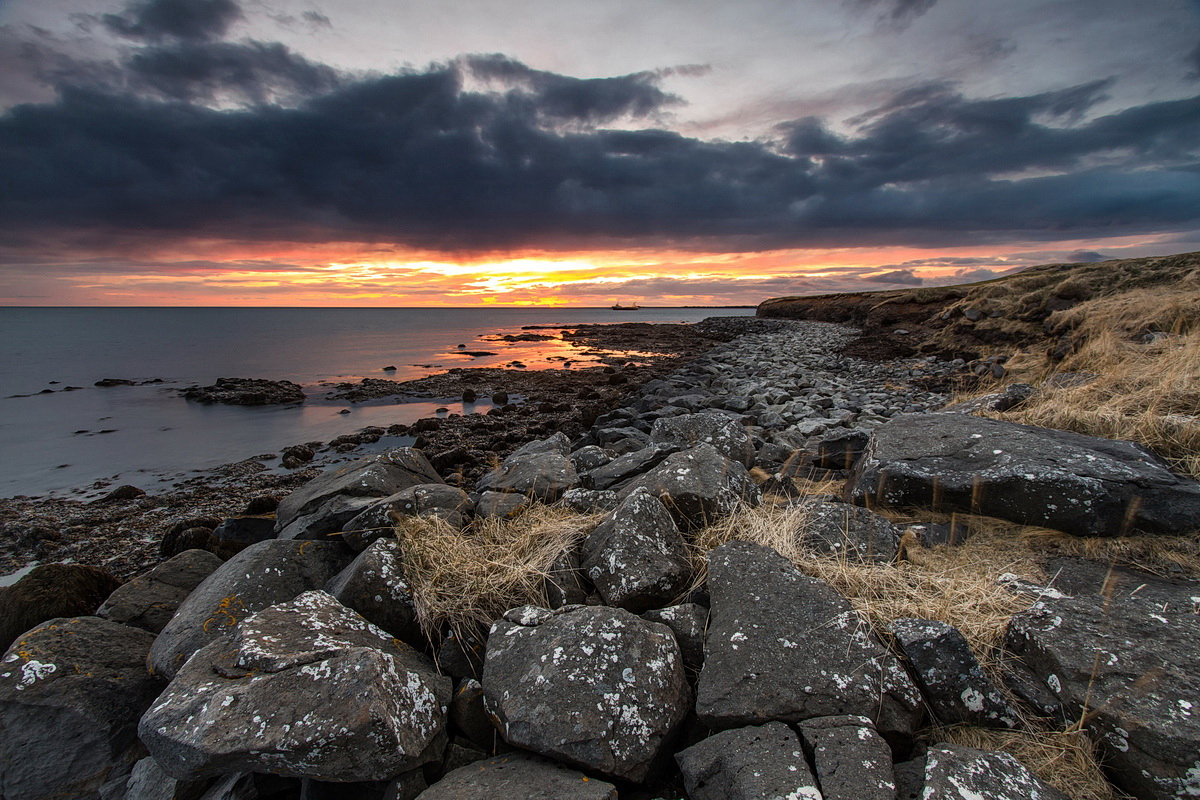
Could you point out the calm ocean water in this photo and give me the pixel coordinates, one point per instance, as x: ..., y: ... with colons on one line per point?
x: 53, y: 442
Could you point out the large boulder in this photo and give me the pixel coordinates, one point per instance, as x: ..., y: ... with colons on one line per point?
x: 1078, y: 484
x: 263, y: 574
x: 71, y: 693
x: 748, y: 764
x: 542, y: 476
x: 851, y: 759
x: 1130, y: 669
x: 950, y: 676
x: 698, y: 486
x: 306, y: 688
x: 783, y: 646
x: 426, y: 501
x: 595, y: 687
x: 724, y: 433
x: 619, y: 471
x: 48, y: 591
x: 636, y: 557
x: 326, y: 503
x: 151, y: 599
x: 517, y: 775
x: 848, y: 531
x: 374, y: 586
x: 953, y: 772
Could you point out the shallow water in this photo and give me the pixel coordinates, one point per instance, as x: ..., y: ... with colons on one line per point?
x: 55, y: 442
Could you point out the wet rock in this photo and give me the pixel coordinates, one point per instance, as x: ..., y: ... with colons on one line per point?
x: 151, y: 599
x: 726, y: 435
x: 950, y: 676
x: 106, y: 383
x: 306, y: 688
x: 516, y: 775
x: 619, y: 471
x: 71, y: 693
x: 953, y: 772
x: 636, y: 557
x: 338, y: 495
x: 427, y: 501
x: 245, y: 392
x: 850, y: 532
x: 698, y: 486
x: 1130, y: 668
x: 595, y: 687
x: 374, y: 586
x: 688, y: 622
x: 274, y: 571
x: 783, y: 646
x: 1078, y: 484
x: 747, y: 764
x: 542, y: 475
x: 504, y: 505
x: 852, y: 761
x: 123, y: 492
x: 49, y: 591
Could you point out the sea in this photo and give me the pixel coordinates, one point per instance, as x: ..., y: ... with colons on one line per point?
x: 60, y: 442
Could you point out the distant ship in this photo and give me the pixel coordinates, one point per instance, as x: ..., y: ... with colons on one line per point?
x: 619, y: 307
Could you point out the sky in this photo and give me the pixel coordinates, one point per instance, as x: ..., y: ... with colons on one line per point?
x: 670, y: 152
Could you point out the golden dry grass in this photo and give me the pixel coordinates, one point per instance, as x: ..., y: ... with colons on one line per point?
x: 466, y: 579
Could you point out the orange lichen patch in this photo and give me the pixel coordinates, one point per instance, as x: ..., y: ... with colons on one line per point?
x: 229, y: 612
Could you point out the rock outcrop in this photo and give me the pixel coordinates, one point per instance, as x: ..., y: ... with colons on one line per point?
x: 151, y: 599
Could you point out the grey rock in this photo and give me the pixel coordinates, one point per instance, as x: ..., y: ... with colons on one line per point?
x: 517, y: 775
x: 851, y: 759
x: 588, y: 458
x: 783, y: 646
x: 329, y: 501
x: 71, y: 692
x: 151, y: 599
x: 949, y: 675
x: 49, y: 591
x: 728, y: 437
x: 636, y: 557
x: 263, y: 574
x: 953, y: 772
x: 617, y: 472
x: 588, y: 501
x: 698, y: 486
x: 542, y: 476
x: 1078, y: 484
x: 765, y: 761
x: 1010, y: 397
x: 148, y: 782
x: 1131, y: 670
x: 374, y: 586
x: 427, y: 500
x: 306, y: 688
x: 460, y: 655
x: 910, y: 778
x: 245, y: 392
x: 852, y: 532
x: 468, y: 715
x: 839, y: 449
x: 565, y: 583
x: 607, y: 437
x: 559, y: 444
x: 689, y: 622
x: 504, y: 505
x: 591, y: 686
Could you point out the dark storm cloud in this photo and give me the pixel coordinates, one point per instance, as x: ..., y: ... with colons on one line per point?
x: 189, y: 20
x: 428, y: 158
x: 249, y: 71
x: 901, y: 276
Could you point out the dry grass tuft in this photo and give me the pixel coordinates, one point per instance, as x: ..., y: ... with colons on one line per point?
x: 1066, y: 761
x: 1167, y: 556
x: 466, y: 579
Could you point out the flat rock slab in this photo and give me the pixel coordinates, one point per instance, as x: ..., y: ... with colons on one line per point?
x: 374, y: 586
x: 950, y: 676
x: 1082, y: 485
x: 542, y: 476
x: 516, y: 775
x: 1135, y: 666
x: 852, y: 760
x: 329, y: 501
x: 958, y: 773
x: 727, y: 435
x: 850, y: 532
x: 622, y: 469
x: 151, y: 599
x: 71, y: 692
x: 636, y: 557
x: 306, y: 688
x: 274, y: 571
x: 783, y: 646
x: 698, y: 486
x: 764, y: 761
x: 595, y: 687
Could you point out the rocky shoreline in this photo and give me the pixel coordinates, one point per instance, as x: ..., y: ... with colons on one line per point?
x: 284, y: 649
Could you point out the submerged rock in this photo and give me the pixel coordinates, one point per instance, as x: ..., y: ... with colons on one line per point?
x: 245, y: 392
